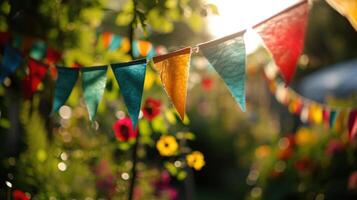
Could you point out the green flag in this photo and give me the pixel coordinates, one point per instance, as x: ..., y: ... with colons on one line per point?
x: 93, y: 82
x: 228, y: 58
x: 131, y: 77
x: 66, y: 79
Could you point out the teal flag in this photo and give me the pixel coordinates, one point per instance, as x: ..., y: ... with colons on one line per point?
x: 131, y: 77
x: 93, y: 82
x: 66, y: 79
x: 228, y: 59
x: 333, y: 116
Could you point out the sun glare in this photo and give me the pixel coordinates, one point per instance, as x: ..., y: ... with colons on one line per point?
x: 236, y: 15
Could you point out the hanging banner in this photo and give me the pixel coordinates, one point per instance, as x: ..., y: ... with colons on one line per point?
x: 10, y: 62
x: 228, y: 58
x: 284, y: 35
x: 52, y: 56
x: 131, y: 77
x: 37, y: 72
x: 333, y: 116
x: 347, y: 8
x: 94, y: 80
x: 173, y: 69
x: 66, y: 79
x: 352, y: 124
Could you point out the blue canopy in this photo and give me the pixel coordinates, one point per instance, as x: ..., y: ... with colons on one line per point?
x: 339, y: 80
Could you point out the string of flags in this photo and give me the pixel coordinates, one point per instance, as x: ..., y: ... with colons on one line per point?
x: 308, y: 110
x: 283, y: 35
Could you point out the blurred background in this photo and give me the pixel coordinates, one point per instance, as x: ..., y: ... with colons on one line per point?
x: 266, y: 152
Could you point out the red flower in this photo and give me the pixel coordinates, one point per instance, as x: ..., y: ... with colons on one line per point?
x: 19, y: 195
x: 285, y: 153
x: 151, y: 108
x: 124, y: 130
x: 352, y: 181
x: 303, y: 164
x: 207, y: 83
x: 334, y: 146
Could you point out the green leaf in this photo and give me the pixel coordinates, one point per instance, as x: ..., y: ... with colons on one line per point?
x: 171, y: 168
x: 5, y: 123
x: 158, y: 125
x: 181, y: 175
x: 144, y: 127
x: 213, y: 8
x: 170, y: 117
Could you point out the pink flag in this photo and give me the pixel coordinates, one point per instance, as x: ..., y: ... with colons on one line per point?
x: 352, y: 124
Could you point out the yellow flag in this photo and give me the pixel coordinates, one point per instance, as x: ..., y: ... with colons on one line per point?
x: 173, y: 69
x: 348, y: 8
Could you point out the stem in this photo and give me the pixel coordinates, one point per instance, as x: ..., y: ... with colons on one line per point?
x: 136, y: 144
x: 133, y: 169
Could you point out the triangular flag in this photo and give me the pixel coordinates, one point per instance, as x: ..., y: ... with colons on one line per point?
x: 52, y: 56
x: 115, y: 43
x: 131, y: 78
x: 37, y: 72
x: 66, y: 79
x: 10, y: 62
x: 94, y: 80
x: 347, y: 8
x: 173, y: 69
x: 38, y: 50
x: 333, y: 116
x: 228, y: 58
x: 352, y: 124
x: 284, y: 35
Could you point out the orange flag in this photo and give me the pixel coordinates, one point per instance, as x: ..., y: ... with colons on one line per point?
x: 173, y: 69
x: 284, y: 35
x: 347, y: 8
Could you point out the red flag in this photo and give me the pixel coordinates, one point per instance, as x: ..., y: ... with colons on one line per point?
x: 52, y: 56
x: 284, y: 35
x: 32, y: 81
x: 352, y: 124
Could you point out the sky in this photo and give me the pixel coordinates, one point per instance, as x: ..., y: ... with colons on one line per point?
x: 236, y: 15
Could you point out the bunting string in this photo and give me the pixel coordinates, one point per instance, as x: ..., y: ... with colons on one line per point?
x: 283, y: 35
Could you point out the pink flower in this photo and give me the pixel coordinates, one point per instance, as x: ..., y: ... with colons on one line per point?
x: 19, y: 195
x: 334, y: 146
x: 352, y: 181
x: 151, y: 108
x: 123, y: 129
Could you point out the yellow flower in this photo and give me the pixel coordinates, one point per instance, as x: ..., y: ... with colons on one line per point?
x: 262, y: 151
x: 304, y: 136
x: 195, y: 160
x: 167, y: 145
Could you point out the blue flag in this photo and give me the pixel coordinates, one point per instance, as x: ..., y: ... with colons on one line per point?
x: 228, y: 59
x: 131, y: 77
x: 66, y: 79
x: 10, y: 62
x: 333, y: 116
x: 93, y: 82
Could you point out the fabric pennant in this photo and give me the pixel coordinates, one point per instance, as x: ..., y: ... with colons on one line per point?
x: 347, y: 8
x: 94, y: 80
x: 333, y: 116
x: 66, y: 79
x: 10, y: 62
x: 131, y: 77
x: 173, y: 69
x: 284, y: 36
x: 228, y: 58
x: 352, y: 124
x: 37, y: 72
